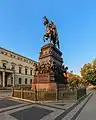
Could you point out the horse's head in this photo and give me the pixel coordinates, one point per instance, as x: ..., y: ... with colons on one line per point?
x: 45, y: 20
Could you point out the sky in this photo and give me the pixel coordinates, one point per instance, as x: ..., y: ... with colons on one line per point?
x: 22, y: 29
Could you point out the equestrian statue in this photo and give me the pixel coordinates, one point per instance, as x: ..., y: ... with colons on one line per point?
x: 51, y: 32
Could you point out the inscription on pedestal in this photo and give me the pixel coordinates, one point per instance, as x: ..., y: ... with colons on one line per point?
x: 43, y: 78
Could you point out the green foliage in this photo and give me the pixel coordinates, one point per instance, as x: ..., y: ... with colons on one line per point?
x: 75, y: 81
x: 88, y: 72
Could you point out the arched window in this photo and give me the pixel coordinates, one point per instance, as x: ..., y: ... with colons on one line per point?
x: 4, y: 63
x: 13, y: 66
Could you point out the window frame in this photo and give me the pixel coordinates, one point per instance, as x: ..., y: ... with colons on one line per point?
x: 31, y: 72
x: 26, y: 71
x: 20, y: 79
x: 26, y: 81
x: 30, y: 81
x: 20, y: 69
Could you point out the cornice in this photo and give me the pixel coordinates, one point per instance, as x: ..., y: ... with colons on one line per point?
x: 16, y: 56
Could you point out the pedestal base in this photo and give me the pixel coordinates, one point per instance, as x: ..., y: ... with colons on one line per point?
x: 48, y: 86
x: 49, y: 70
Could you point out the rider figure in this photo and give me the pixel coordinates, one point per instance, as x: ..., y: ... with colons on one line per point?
x: 53, y: 28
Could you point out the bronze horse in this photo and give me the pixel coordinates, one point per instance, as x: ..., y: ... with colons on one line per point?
x: 51, y: 32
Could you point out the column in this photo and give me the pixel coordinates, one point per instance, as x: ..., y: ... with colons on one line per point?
x: 3, y: 78
x: 13, y: 80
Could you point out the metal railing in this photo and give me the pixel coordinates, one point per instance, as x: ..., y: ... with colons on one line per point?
x: 45, y: 95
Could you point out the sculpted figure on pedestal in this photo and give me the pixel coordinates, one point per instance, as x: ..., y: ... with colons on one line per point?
x: 47, y: 67
x: 51, y: 32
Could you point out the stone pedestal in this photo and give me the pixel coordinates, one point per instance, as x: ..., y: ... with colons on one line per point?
x: 50, y: 69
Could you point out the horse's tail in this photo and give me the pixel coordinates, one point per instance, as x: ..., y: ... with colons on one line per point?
x: 44, y: 38
x: 58, y: 43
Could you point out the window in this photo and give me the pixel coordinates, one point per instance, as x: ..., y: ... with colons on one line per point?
x: 30, y: 72
x: 20, y: 80
x: 20, y: 70
x: 13, y: 67
x: 30, y: 81
x: 25, y: 80
x: 25, y: 71
x: 4, y: 65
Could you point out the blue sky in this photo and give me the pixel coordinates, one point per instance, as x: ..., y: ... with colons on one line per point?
x: 22, y: 29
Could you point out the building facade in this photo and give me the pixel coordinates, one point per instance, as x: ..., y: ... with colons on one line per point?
x: 15, y: 69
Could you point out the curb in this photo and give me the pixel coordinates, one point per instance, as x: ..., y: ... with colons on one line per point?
x: 25, y: 100
x: 58, y: 101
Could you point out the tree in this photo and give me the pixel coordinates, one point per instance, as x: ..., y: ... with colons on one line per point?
x: 88, y: 72
x: 75, y: 81
x: 86, y: 68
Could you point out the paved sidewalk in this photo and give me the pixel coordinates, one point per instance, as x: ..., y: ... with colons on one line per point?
x: 11, y: 109
x: 89, y: 111
x: 14, y: 109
